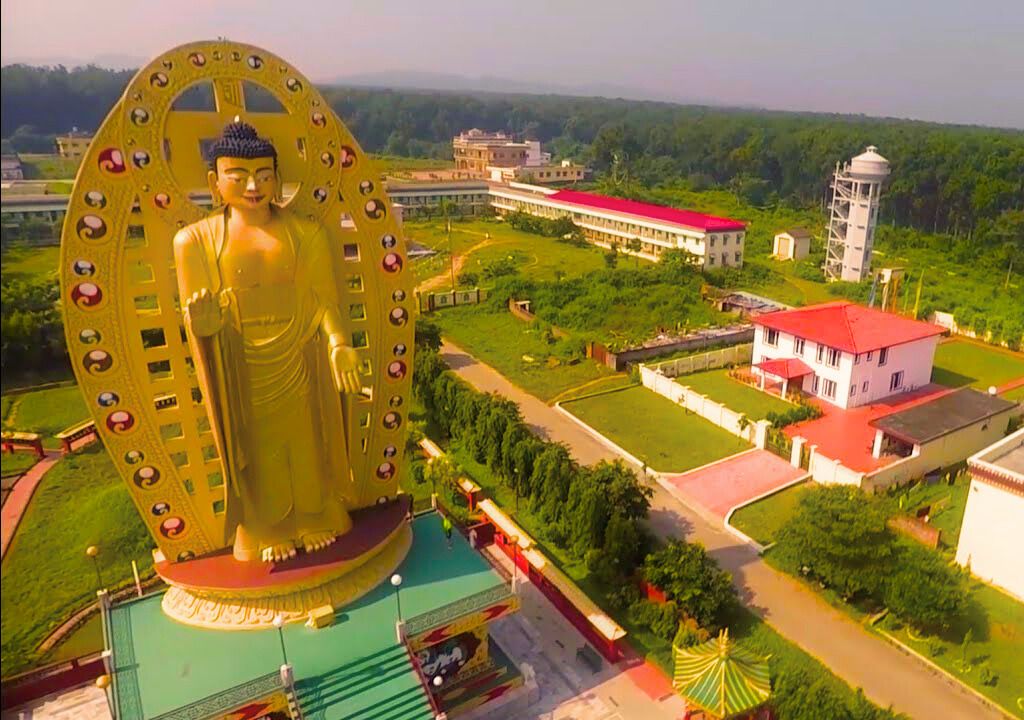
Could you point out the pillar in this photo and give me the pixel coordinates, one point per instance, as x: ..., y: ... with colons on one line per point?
x: 798, y: 447
x: 876, y: 450
x: 761, y: 434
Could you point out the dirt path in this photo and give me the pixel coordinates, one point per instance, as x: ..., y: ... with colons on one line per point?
x: 887, y: 675
x: 444, y: 278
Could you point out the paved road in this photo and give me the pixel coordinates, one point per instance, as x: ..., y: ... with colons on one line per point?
x: 888, y: 676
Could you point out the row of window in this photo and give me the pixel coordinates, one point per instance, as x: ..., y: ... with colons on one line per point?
x: 725, y: 258
x: 825, y: 354
x: 827, y: 388
x: 725, y: 239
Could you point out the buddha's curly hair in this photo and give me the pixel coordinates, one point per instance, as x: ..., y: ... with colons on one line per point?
x: 240, y: 140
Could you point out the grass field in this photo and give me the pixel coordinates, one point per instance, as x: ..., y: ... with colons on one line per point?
x: 46, y: 573
x: 997, y: 624
x: 761, y: 520
x: 962, y: 362
x: 48, y: 167
x: 16, y: 463
x: 534, y: 255
x: 47, y: 412
x: 735, y: 395
x: 30, y: 262
x: 502, y: 341
x: 746, y: 628
x: 656, y: 430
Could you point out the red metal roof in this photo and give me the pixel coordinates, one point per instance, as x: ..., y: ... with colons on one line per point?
x: 649, y: 211
x: 787, y: 368
x: 848, y: 326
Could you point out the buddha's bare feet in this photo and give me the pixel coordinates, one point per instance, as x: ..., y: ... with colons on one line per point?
x: 317, y: 540
x: 279, y: 552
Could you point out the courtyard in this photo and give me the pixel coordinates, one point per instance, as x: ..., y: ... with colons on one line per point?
x: 960, y: 362
x: 735, y: 395
x: 656, y: 430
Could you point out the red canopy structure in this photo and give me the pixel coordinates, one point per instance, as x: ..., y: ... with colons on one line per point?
x: 785, y: 369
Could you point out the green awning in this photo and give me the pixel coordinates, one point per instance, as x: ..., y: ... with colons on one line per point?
x: 721, y: 678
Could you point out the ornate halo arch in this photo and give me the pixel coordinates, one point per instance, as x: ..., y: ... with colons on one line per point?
x: 142, y: 180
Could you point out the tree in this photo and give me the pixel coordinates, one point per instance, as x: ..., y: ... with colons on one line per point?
x: 925, y: 592
x: 611, y: 259
x: 428, y: 335
x: 634, y: 245
x: 841, y: 538
x: 688, y: 576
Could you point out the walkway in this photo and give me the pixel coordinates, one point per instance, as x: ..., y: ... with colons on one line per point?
x: 20, y: 496
x: 82, y: 703
x: 887, y: 675
x: 540, y: 636
x: 732, y: 481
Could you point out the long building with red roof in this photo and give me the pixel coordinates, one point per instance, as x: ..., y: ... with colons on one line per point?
x: 844, y: 353
x: 616, y: 223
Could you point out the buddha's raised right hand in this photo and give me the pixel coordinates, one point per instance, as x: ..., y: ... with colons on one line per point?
x: 204, y: 314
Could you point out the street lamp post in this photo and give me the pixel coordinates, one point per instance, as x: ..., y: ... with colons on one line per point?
x: 93, y: 551
x: 396, y: 582
x: 279, y: 624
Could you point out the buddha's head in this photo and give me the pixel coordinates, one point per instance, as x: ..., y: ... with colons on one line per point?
x: 243, y: 168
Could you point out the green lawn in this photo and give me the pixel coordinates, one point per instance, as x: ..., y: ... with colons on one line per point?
x: 1017, y: 394
x: 735, y: 395
x: 534, y: 255
x: 961, y: 362
x: 47, y: 412
x: 505, y: 342
x: 46, y: 573
x: 761, y: 520
x: 48, y: 167
x: 997, y: 622
x: 18, y: 462
x: 656, y: 430
x: 30, y: 262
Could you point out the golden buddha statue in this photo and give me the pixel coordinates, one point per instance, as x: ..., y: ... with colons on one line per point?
x: 261, y: 309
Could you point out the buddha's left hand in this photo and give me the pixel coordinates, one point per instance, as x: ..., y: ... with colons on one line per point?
x: 345, y: 368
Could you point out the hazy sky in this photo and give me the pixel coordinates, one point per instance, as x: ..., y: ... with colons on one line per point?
x: 945, y: 60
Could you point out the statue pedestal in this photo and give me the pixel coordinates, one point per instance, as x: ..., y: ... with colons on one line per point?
x: 218, y: 592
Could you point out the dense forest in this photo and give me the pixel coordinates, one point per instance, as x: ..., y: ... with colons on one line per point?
x: 964, y: 181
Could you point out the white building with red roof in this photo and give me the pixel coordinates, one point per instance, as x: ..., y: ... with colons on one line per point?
x: 846, y: 354
x: 617, y: 223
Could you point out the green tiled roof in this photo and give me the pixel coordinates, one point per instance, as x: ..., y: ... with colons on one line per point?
x: 720, y: 677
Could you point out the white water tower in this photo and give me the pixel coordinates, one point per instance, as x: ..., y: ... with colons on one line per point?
x: 856, y: 189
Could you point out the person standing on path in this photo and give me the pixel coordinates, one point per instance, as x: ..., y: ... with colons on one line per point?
x: 446, y: 525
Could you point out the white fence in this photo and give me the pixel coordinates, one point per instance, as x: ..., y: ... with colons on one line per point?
x: 717, y: 413
x: 732, y: 355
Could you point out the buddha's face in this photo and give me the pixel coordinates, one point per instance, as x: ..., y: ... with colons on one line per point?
x: 245, y: 183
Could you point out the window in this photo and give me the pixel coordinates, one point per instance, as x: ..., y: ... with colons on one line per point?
x: 883, y: 355
x: 864, y: 387
x: 798, y: 346
x: 711, y: 259
x: 821, y: 352
x: 856, y: 359
x: 853, y: 389
x: 712, y: 241
x: 739, y: 257
x: 833, y: 357
x: 814, y: 385
x: 771, y: 337
x: 870, y: 355
x: 828, y: 389
x: 896, y: 380
x: 725, y: 240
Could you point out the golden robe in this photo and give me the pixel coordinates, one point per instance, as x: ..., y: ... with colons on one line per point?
x: 277, y: 418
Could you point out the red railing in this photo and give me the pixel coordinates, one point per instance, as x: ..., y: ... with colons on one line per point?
x: 34, y: 684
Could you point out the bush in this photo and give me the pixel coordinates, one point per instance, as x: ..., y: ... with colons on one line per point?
x: 689, y: 634
x: 795, y: 414
x: 693, y: 580
x: 924, y: 591
x: 662, y: 619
